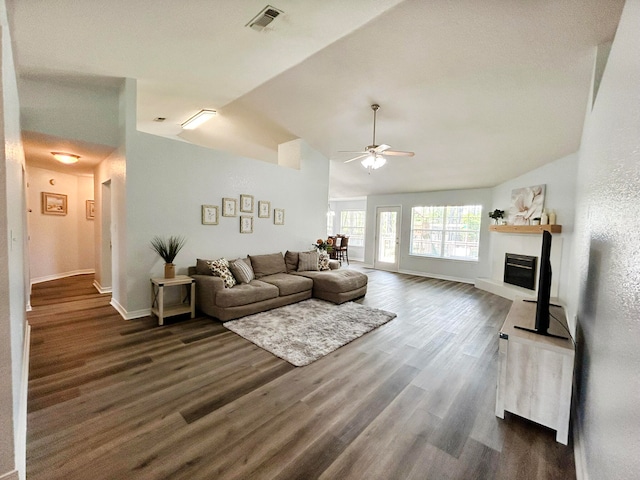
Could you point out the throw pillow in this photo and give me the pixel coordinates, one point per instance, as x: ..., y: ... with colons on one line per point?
x: 220, y: 268
x: 270, y: 264
x: 307, y: 261
x: 323, y: 261
x: 241, y: 270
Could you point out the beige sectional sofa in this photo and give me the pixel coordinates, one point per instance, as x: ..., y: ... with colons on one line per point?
x: 278, y: 282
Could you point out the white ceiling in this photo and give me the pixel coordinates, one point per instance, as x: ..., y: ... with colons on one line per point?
x: 482, y: 91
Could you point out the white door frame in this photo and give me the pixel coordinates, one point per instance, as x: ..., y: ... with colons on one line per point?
x: 381, y: 264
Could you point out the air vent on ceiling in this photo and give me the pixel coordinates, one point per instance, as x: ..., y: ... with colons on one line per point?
x: 264, y: 18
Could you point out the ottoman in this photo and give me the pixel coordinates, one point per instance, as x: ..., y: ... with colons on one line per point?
x: 337, y: 286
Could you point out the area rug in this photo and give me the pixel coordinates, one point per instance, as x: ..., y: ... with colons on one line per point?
x: 303, y: 332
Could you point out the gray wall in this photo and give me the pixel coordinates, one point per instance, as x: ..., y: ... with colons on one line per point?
x: 459, y: 270
x: 607, y: 264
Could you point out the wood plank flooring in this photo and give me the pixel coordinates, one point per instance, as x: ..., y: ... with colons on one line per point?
x: 413, y: 399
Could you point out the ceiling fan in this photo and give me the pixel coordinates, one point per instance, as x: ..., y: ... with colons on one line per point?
x: 373, y: 156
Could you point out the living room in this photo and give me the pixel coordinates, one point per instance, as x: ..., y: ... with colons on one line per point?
x: 157, y: 186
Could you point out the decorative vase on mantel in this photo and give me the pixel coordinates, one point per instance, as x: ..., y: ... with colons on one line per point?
x: 169, y: 270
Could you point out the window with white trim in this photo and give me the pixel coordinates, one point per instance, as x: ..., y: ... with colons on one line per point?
x: 352, y: 223
x: 446, y: 231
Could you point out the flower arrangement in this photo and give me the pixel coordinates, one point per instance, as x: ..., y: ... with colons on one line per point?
x: 325, y: 245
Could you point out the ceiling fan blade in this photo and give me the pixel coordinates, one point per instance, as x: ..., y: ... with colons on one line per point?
x: 398, y: 153
x: 362, y: 152
x: 357, y: 158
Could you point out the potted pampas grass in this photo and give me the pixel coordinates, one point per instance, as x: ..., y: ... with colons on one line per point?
x: 168, y: 248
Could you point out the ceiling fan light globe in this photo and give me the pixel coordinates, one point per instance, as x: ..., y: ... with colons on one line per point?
x: 368, y: 162
x: 378, y: 162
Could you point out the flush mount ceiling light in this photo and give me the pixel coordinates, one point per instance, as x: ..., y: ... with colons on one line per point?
x: 198, y: 119
x: 67, y: 158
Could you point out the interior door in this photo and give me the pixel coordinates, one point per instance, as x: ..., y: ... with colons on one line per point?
x: 387, y: 238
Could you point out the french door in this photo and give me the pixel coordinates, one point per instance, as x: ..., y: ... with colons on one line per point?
x: 387, y: 238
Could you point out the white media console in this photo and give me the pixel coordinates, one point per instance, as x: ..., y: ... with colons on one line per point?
x: 535, y: 375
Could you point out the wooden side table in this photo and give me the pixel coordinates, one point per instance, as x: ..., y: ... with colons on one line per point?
x: 187, y: 294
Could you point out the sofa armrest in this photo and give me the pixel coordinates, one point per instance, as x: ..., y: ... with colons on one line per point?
x: 207, y: 286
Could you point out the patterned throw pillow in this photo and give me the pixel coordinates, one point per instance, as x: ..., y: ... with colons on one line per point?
x: 307, y: 261
x: 220, y: 268
x: 323, y: 260
x: 241, y: 270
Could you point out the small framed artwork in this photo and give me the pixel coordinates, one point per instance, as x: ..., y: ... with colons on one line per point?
x: 278, y: 216
x: 91, y: 209
x: 246, y: 224
x: 229, y: 207
x: 209, y: 214
x: 54, y: 203
x: 264, y: 209
x: 246, y: 203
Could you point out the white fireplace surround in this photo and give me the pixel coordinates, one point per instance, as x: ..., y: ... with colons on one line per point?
x: 522, y: 244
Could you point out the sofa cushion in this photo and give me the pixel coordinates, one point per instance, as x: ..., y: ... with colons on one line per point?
x: 268, y: 264
x: 202, y: 267
x: 246, y: 293
x: 291, y: 261
x: 241, y: 269
x: 288, y: 284
x: 338, y: 281
x: 307, y: 261
x: 220, y: 268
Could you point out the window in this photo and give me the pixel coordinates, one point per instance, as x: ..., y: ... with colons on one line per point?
x: 446, y: 232
x: 352, y: 224
x: 330, y: 217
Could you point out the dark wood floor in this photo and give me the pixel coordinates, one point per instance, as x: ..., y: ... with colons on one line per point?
x: 414, y: 399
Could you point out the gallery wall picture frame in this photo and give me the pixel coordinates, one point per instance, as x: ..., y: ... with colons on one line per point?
x: 246, y: 224
x: 229, y: 207
x: 54, y: 203
x: 91, y: 209
x: 278, y: 216
x: 264, y: 209
x: 246, y: 203
x: 209, y: 214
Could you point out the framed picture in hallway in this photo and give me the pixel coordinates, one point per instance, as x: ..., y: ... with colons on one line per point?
x: 54, y: 203
x: 229, y: 207
x: 264, y: 209
x: 278, y: 216
x: 91, y: 209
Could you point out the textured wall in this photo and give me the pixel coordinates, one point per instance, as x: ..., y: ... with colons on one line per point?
x: 608, y: 264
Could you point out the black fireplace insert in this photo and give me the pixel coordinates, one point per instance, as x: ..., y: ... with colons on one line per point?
x: 520, y: 270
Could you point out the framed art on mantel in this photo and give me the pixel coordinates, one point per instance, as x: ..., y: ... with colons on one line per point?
x: 54, y: 203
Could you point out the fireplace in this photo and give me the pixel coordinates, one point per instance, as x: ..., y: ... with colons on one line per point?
x: 520, y: 270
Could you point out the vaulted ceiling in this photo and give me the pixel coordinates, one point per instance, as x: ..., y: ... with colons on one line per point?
x: 481, y: 91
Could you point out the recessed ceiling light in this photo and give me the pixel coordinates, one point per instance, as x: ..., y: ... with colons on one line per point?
x: 198, y: 119
x: 67, y: 158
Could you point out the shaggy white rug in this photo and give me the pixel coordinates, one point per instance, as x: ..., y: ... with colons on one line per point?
x: 303, y: 332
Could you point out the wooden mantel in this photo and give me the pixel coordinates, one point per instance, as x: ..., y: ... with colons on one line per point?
x: 525, y: 228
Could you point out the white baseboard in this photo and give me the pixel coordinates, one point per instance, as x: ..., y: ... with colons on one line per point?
x: 12, y: 475
x: 58, y: 276
x: 145, y: 312
x: 100, y: 288
x: 21, y: 442
x: 434, y: 275
x: 579, y: 455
